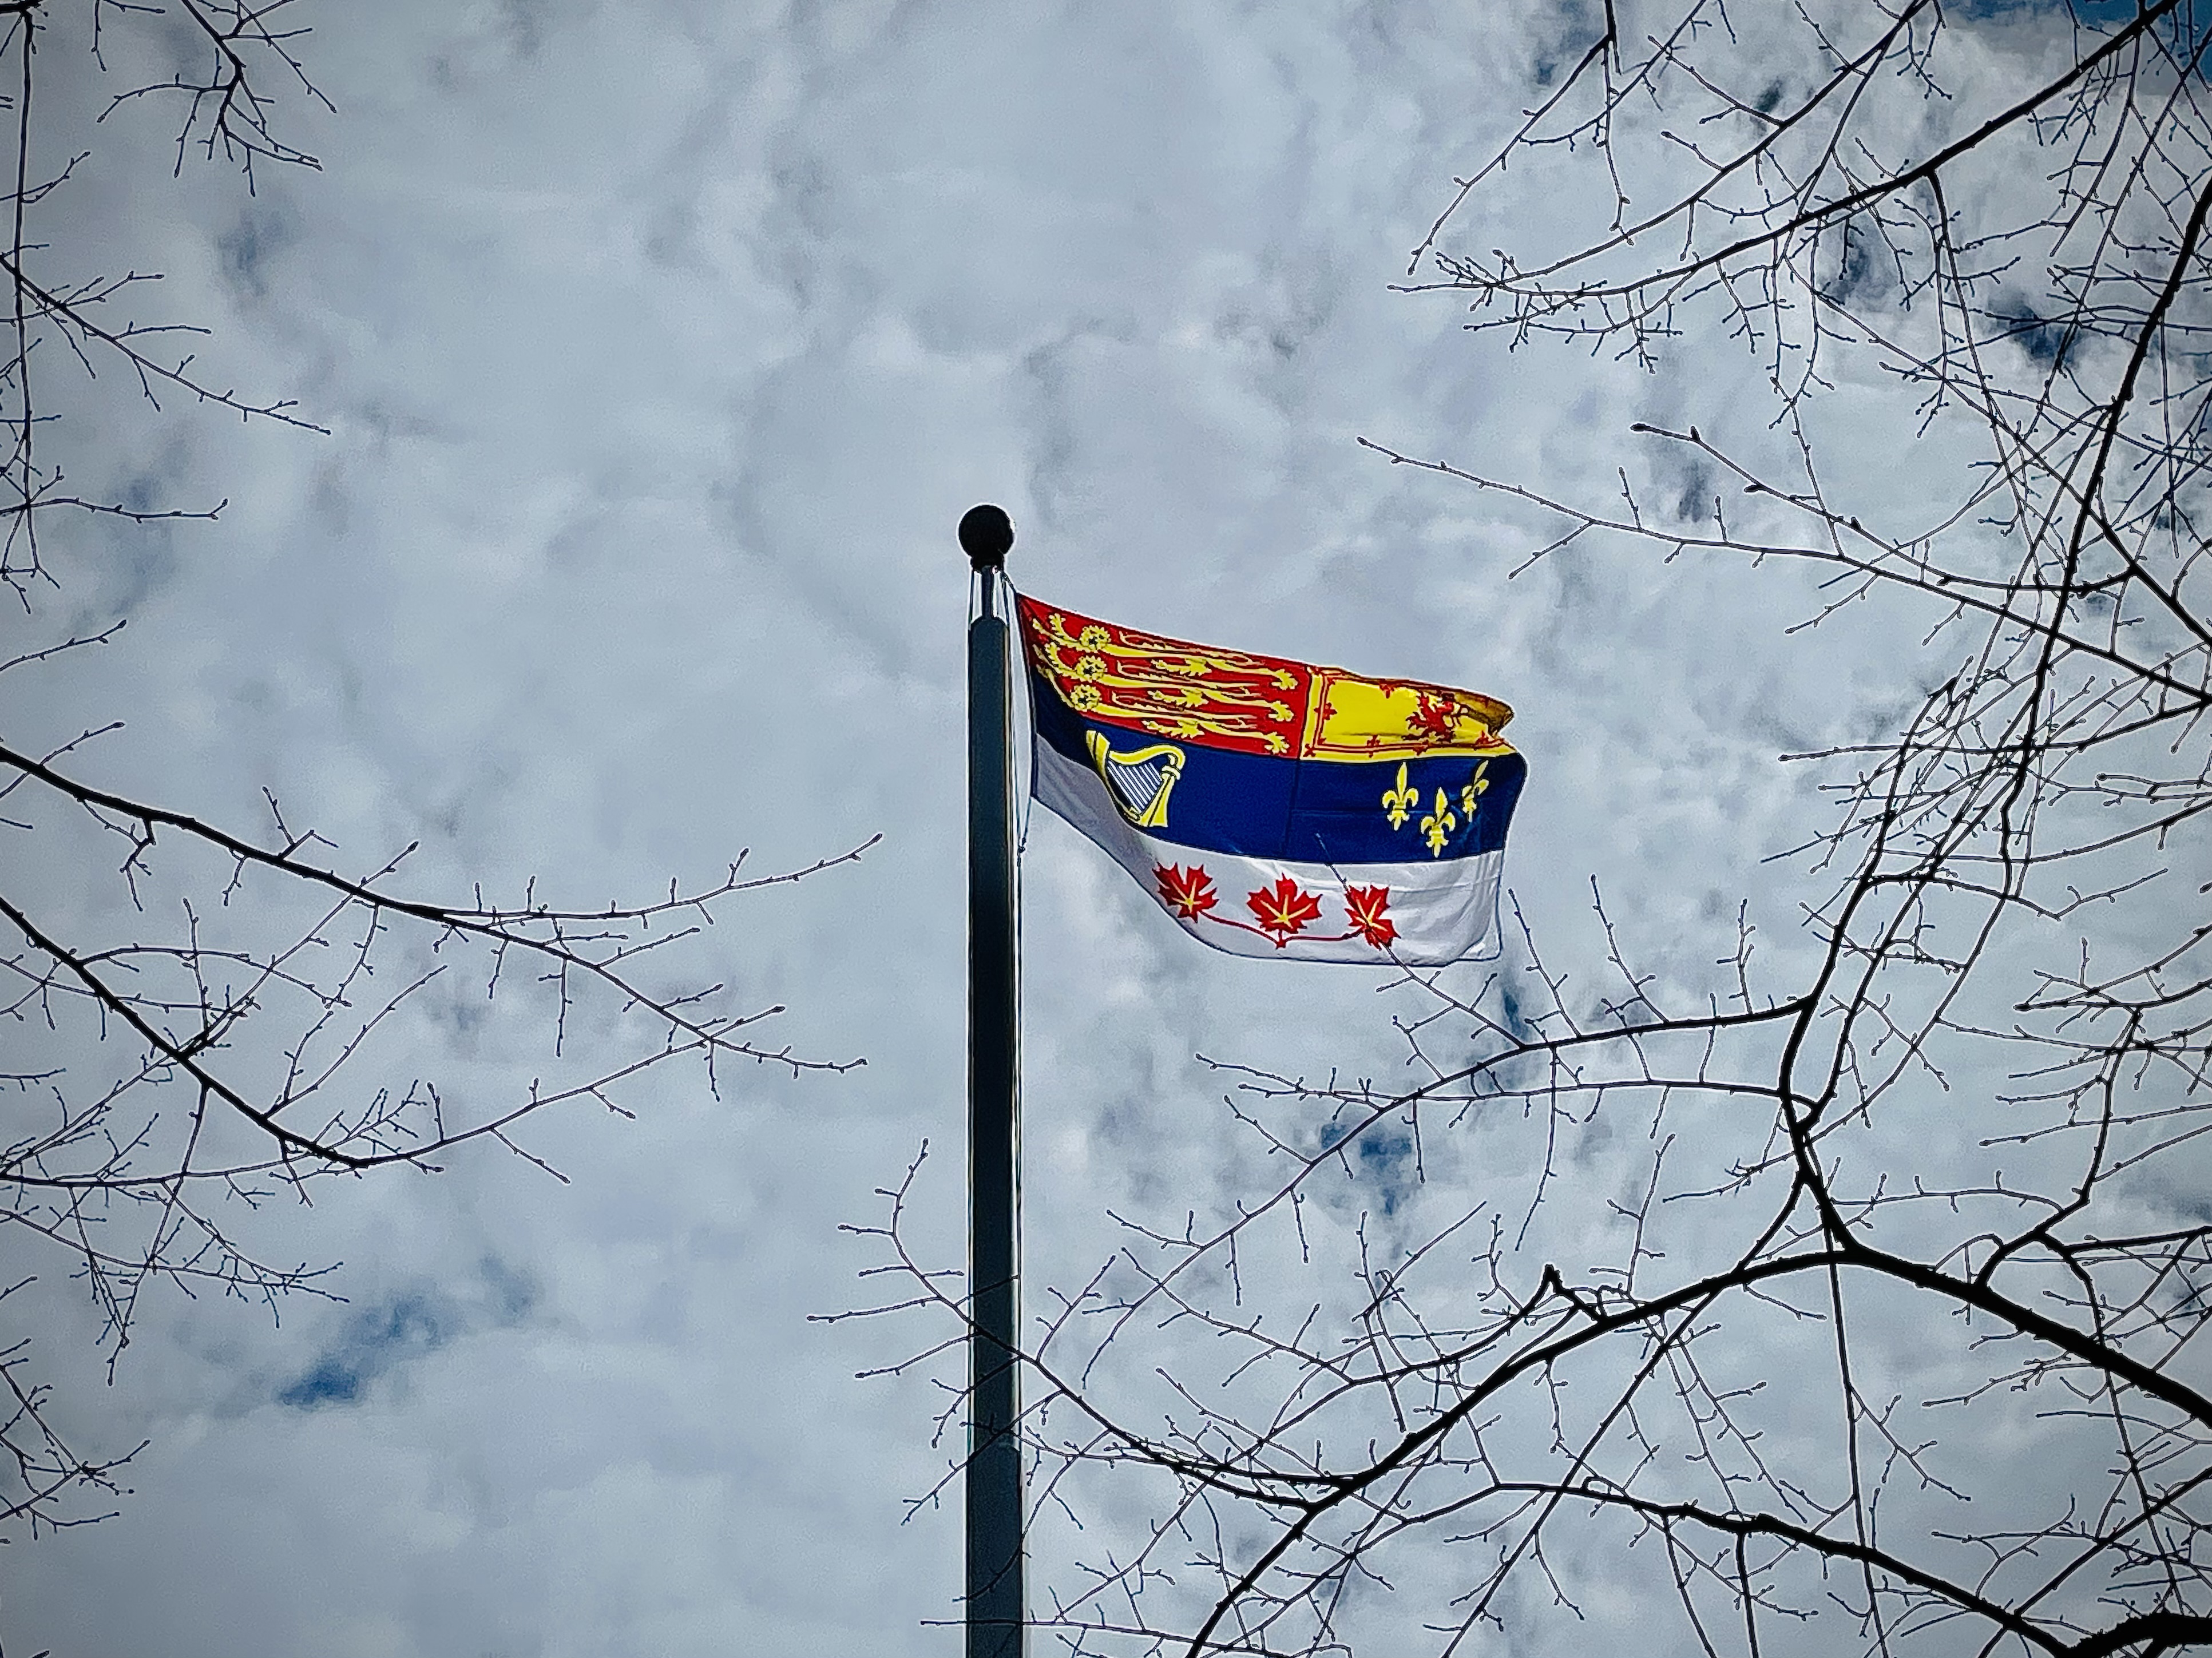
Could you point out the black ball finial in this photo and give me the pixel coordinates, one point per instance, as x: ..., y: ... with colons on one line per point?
x: 985, y: 533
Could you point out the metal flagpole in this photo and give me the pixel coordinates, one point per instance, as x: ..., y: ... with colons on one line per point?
x: 996, y: 1602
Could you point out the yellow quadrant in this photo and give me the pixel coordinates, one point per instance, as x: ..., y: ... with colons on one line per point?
x: 1356, y: 718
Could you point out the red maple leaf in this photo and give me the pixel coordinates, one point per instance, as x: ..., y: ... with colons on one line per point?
x: 1284, y: 910
x: 1189, y: 892
x: 1364, y: 908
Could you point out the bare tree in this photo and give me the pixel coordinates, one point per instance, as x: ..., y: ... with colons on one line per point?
x: 1890, y: 1343
x: 225, y: 1019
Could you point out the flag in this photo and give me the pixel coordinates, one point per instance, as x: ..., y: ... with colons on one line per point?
x: 1275, y: 808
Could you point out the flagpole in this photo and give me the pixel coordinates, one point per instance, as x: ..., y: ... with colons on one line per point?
x: 996, y: 1602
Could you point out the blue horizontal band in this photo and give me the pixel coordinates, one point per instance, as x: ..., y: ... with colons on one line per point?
x: 1324, y: 811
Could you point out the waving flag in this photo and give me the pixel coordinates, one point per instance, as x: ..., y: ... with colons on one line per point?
x: 1276, y: 808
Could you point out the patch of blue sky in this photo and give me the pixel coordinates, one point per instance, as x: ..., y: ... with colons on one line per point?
x: 1381, y: 1157
x: 1386, y: 1158
x: 376, y: 1340
x: 404, y: 1326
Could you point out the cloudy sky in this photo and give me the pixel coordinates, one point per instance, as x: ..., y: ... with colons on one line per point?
x: 660, y: 346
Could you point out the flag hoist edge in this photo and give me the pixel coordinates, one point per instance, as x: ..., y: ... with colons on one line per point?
x: 1276, y: 808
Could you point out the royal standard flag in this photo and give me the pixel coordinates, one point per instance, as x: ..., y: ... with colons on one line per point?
x: 1276, y: 808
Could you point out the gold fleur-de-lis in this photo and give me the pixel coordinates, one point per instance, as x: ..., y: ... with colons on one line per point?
x: 1472, y: 790
x: 1439, y: 824
x: 1399, y: 803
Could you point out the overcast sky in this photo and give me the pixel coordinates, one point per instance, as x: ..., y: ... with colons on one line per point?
x: 661, y: 346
